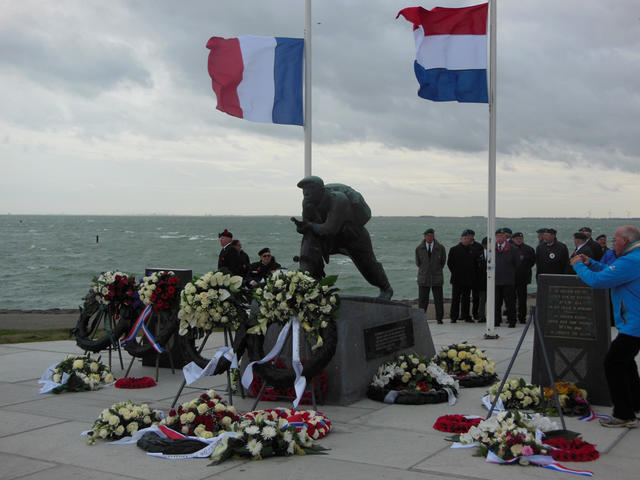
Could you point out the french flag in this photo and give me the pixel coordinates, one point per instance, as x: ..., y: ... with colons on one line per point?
x: 258, y: 78
x: 451, y: 52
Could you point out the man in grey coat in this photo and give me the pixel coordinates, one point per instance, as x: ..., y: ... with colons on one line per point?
x: 431, y: 257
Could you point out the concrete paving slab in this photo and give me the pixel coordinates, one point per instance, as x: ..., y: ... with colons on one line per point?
x: 18, y: 467
x: 67, y: 472
x: 63, y: 444
x: 9, y: 349
x: 26, y: 365
x: 461, y: 463
x: 389, y: 447
x: 11, y: 393
x: 13, y: 422
x: 319, y: 467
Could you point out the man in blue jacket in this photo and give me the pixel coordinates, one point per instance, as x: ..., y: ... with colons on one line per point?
x: 623, y: 278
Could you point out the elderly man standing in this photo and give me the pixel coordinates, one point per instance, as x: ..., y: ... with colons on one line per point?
x: 623, y: 278
x: 431, y: 257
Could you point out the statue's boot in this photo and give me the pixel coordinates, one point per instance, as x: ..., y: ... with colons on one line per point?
x: 386, y: 293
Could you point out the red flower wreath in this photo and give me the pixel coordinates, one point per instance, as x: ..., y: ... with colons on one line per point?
x: 271, y: 394
x: 576, y: 450
x: 455, y: 423
x: 132, y: 382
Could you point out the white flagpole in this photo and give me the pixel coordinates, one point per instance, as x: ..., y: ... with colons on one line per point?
x: 491, y: 219
x: 307, y: 89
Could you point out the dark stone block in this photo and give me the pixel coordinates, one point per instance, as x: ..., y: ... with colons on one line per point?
x: 371, y: 331
x: 576, y: 328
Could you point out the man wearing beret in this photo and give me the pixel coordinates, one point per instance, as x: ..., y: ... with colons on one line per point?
x: 260, y: 270
x: 523, y: 273
x: 229, y: 258
x: 333, y: 220
x: 552, y: 256
x: 594, y: 246
x: 431, y: 258
x: 463, y: 264
x: 507, y: 260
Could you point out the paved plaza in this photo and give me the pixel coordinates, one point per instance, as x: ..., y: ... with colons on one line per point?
x: 40, y: 434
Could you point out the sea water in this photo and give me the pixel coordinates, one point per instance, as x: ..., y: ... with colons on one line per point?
x: 49, y: 261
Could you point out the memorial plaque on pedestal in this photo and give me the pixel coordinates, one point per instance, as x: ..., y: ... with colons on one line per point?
x: 179, y: 359
x: 371, y: 331
x: 575, y: 323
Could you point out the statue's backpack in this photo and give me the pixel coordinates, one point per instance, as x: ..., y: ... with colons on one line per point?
x: 361, y: 211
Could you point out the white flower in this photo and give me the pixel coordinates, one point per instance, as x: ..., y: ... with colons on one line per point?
x: 268, y: 432
x: 254, y: 447
x: 252, y: 430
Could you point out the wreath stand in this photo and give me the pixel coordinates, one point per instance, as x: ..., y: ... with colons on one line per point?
x: 310, y: 385
x: 228, y: 341
x: 112, y: 324
x: 533, y: 314
x: 173, y: 370
x: 110, y: 328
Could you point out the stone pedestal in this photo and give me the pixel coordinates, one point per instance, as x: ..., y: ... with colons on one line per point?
x: 371, y: 332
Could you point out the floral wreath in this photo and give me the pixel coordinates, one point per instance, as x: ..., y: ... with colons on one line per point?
x: 296, y: 294
x: 456, y: 423
x: 112, y: 298
x: 573, y: 400
x: 160, y: 290
x: 516, y: 394
x: 265, y: 434
x: 160, y: 293
x: 270, y: 394
x: 467, y: 363
x: 122, y: 419
x: 135, y: 383
x: 203, y: 416
x: 313, y: 303
x: 317, y: 424
x: 114, y: 289
x: 411, y: 379
x: 76, y: 374
x: 513, y: 437
x: 215, y: 300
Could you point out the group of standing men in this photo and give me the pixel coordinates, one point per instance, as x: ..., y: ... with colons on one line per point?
x: 234, y: 259
x: 467, y: 262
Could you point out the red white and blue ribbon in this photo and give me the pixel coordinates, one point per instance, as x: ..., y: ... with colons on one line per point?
x: 545, y: 461
x: 592, y: 416
x: 146, y: 313
x: 559, y: 468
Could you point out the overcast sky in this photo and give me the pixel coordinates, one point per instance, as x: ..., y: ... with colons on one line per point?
x: 107, y: 108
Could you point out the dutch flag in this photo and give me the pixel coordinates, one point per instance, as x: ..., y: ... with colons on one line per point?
x: 451, y: 52
x: 258, y: 78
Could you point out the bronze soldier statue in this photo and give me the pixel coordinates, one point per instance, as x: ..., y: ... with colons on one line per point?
x: 333, y: 219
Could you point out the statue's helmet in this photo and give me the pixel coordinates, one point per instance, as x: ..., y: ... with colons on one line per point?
x: 311, y: 180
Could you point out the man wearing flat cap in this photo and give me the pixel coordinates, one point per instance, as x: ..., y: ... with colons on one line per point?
x: 333, y: 220
x: 594, y: 246
x: 431, y: 257
x: 229, y: 258
x: 552, y: 256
